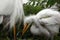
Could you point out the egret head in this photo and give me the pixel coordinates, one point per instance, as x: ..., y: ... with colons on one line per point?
x: 27, y: 22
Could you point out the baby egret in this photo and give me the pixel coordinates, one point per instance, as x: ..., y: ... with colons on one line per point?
x: 36, y: 28
x: 49, y: 20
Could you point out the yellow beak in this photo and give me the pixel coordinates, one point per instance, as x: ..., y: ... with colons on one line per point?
x: 26, y: 26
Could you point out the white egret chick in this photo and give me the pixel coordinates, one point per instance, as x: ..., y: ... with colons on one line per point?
x: 35, y: 28
x: 47, y: 17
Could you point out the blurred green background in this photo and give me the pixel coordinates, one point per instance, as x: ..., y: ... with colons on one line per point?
x: 30, y: 8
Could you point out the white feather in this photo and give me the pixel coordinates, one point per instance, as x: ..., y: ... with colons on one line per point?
x: 13, y: 8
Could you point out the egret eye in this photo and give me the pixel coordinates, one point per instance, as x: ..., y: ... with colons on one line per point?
x: 42, y: 24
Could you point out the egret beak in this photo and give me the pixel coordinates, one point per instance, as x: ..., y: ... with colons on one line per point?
x: 14, y: 32
x: 26, y: 26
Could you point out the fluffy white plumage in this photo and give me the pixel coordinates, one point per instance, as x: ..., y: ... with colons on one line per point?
x: 36, y: 28
x: 13, y: 8
x: 48, y: 22
x: 51, y: 19
x: 47, y: 13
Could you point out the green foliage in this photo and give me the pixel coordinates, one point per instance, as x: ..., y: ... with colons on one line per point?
x: 32, y: 7
x: 28, y: 9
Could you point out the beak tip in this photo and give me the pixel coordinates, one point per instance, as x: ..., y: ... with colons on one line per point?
x: 25, y: 29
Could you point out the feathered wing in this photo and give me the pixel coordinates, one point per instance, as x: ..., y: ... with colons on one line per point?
x: 51, y: 24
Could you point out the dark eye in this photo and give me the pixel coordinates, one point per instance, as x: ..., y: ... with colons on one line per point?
x: 37, y: 27
x: 42, y: 24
